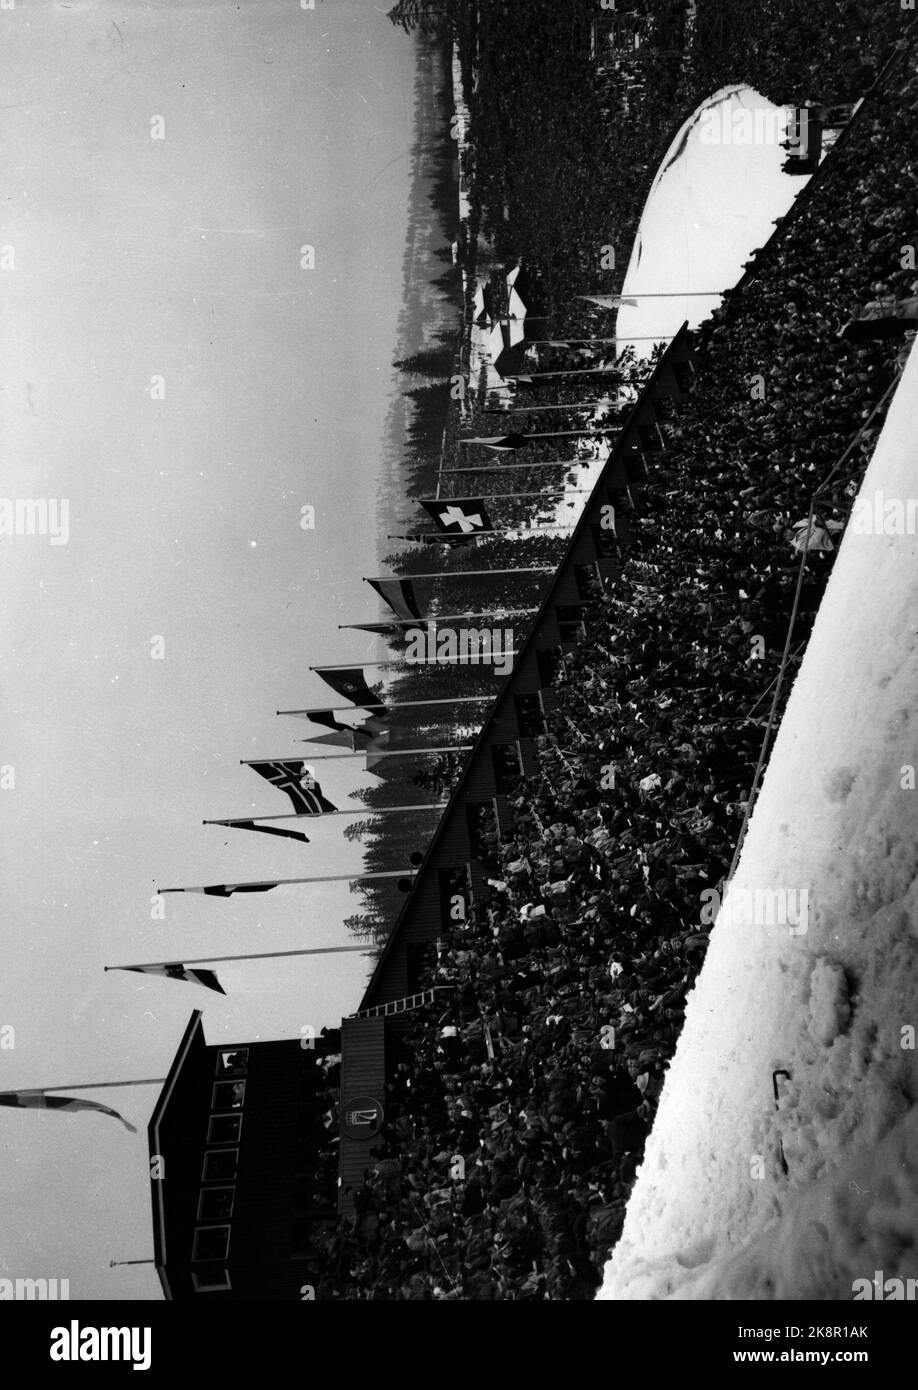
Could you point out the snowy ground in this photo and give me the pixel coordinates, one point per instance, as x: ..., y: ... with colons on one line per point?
x: 712, y: 1214
x: 713, y: 201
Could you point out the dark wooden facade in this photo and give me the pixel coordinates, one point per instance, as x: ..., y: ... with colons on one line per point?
x: 363, y: 1079
x: 233, y: 1143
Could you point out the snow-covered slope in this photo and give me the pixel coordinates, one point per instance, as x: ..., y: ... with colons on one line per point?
x: 712, y: 202
x: 832, y: 999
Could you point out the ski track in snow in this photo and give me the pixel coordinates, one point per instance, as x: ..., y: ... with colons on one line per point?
x: 828, y: 1005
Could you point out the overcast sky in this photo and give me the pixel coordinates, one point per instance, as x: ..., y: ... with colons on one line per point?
x: 179, y: 258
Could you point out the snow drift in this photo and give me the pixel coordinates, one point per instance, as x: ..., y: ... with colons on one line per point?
x: 829, y: 995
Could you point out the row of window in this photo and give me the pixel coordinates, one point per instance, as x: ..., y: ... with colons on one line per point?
x: 233, y: 1062
x: 210, y: 1243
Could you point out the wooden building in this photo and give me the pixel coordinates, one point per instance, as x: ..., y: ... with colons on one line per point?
x: 234, y: 1140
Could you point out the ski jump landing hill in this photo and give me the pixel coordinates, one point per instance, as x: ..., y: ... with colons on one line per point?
x: 829, y: 997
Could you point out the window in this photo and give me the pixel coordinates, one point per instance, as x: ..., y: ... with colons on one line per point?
x: 210, y: 1243
x: 224, y: 1129
x: 216, y: 1203
x: 220, y: 1165
x: 233, y: 1063
x: 217, y: 1281
x: 228, y: 1095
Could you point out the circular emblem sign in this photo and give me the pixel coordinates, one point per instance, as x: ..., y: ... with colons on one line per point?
x: 363, y: 1117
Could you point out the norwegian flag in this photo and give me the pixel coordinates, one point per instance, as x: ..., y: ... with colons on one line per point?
x: 36, y: 1100
x: 458, y: 515
x: 177, y: 971
x: 297, y: 781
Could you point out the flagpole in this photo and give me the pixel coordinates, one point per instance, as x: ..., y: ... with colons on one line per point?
x: 647, y: 294
x: 538, y: 409
x: 255, y: 955
x: 503, y: 496
x: 396, y: 753
x: 399, y: 704
x: 569, y: 371
x: 90, y: 1085
x: 435, y: 618
x: 447, y: 538
x: 563, y: 342
x: 549, y: 434
x: 114, y: 1264
x: 501, y: 467
x: 326, y: 815
x: 471, y: 660
x: 447, y: 574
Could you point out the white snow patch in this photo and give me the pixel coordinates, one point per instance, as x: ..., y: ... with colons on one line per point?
x: 713, y: 1214
x: 709, y: 206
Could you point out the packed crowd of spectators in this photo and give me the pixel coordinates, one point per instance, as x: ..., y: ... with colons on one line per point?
x: 520, y: 1098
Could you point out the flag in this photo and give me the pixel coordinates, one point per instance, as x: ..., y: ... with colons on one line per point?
x: 35, y: 1100
x: 224, y: 890
x: 352, y: 685
x: 269, y: 830
x: 458, y: 514
x: 400, y: 596
x: 343, y: 740
x: 499, y: 441
x: 207, y: 978
x: 376, y: 725
x: 297, y: 781
x: 326, y: 718
x: 383, y: 629
x: 609, y: 301
x: 431, y: 538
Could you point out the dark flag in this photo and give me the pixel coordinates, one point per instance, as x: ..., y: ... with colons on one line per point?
x: 500, y: 441
x: 191, y: 975
x: 400, y: 596
x: 297, y: 781
x: 382, y: 629
x: 224, y: 890
x: 609, y: 301
x: 271, y: 830
x: 33, y: 1100
x: 326, y: 717
x: 343, y: 740
x: 461, y: 515
x: 352, y: 685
